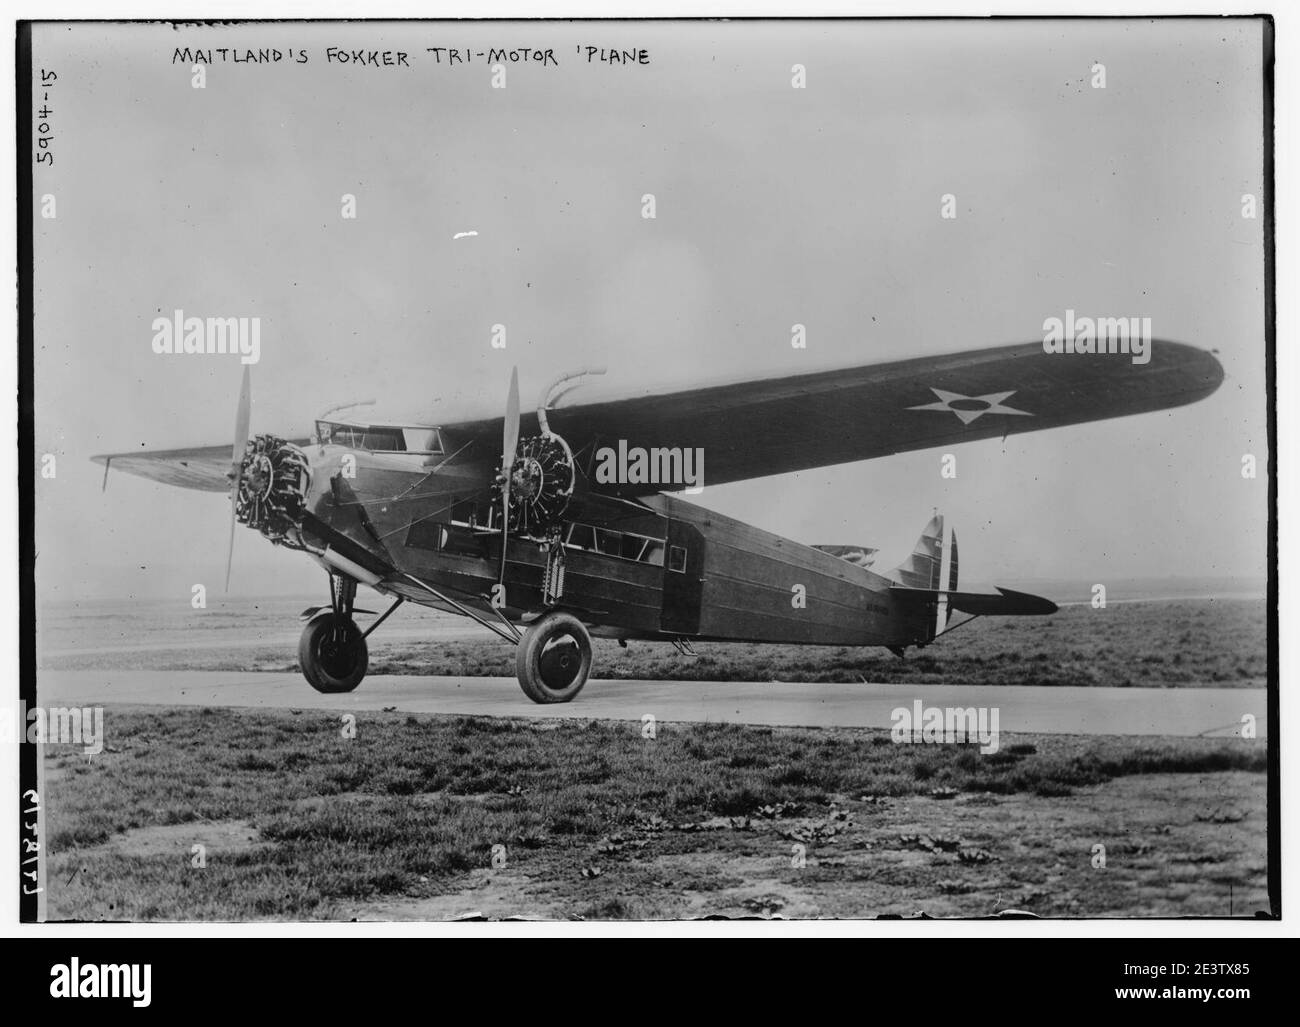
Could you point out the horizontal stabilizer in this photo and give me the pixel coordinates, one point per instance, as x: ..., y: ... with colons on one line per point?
x: 1003, y: 603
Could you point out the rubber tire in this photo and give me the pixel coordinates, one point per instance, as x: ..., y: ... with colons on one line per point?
x: 528, y: 657
x: 317, y: 675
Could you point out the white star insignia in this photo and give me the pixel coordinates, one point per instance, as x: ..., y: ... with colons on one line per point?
x: 970, y: 408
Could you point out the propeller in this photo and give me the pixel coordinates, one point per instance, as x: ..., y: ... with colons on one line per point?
x: 509, y: 443
x: 237, y: 464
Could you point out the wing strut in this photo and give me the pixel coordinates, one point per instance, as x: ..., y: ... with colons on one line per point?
x: 461, y: 608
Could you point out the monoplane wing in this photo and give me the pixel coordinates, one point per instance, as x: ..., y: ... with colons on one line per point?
x: 774, y: 426
x: 204, y: 468
x: 766, y: 426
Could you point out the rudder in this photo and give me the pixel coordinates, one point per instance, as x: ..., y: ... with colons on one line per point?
x: 932, y: 565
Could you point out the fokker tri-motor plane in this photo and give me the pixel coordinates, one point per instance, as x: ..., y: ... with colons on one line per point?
x: 505, y: 519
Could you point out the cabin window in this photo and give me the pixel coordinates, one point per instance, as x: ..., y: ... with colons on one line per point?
x: 621, y: 544
x: 461, y: 541
x: 444, y: 538
x: 677, y: 559
x: 609, y: 542
x: 427, y: 535
x: 580, y: 536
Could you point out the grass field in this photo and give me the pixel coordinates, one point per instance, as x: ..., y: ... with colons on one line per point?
x: 1179, y: 643
x: 593, y: 820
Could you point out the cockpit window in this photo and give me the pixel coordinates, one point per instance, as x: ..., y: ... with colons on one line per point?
x: 379, y: 439
x: 422, y: 440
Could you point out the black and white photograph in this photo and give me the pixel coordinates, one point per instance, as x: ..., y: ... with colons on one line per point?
x: 774, y: 469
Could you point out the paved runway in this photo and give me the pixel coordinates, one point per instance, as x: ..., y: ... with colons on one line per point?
x: 1085, y: 711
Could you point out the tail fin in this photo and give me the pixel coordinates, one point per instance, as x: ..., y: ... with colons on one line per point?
x: 925, y: 567
x: 932, y: 566
x: 926, y: 589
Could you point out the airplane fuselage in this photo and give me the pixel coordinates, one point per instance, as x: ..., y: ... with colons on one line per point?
x: 654, y: 568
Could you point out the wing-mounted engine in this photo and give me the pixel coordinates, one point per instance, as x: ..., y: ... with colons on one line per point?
x: 273, y: 483
x: 542, y: 477
x: 535, y: 478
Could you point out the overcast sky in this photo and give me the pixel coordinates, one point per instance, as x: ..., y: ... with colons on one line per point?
x: 774, y: 206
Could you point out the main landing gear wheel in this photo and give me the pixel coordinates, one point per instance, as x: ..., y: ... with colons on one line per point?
x: 333, y: 654
x: 554, y: 658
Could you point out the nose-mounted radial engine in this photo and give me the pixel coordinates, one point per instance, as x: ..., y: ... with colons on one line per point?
x: 272, y: 487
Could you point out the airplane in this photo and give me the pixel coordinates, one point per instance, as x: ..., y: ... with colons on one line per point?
x: 510, y: 521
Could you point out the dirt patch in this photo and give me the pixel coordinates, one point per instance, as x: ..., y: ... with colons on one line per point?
x: 1171, y: 845
x: 491, y: 894
x: 223, y: 837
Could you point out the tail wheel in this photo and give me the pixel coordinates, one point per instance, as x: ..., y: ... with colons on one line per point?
x: 554, y: 658
x: 333, y: 654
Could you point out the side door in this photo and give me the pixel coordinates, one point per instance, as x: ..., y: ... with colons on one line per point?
x: 683, y: 579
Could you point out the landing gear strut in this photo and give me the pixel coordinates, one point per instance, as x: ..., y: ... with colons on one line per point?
x: 332, y: 650
x: 552, y: 658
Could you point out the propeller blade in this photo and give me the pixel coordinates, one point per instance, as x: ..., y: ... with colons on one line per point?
x: 505, y: 525
x: 509, y: 443
x: 241, y: 423
x: 230, y: 548
x: 242, y: 414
